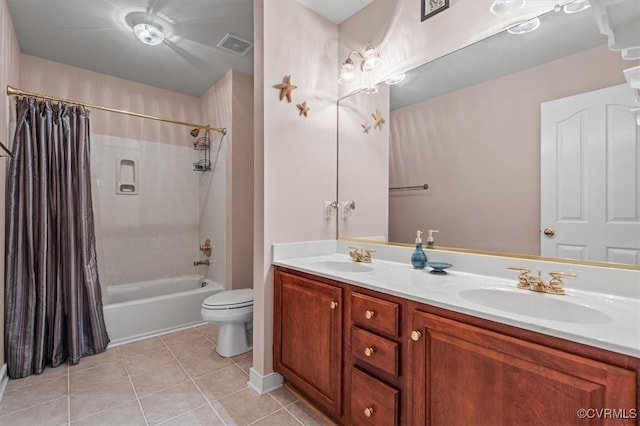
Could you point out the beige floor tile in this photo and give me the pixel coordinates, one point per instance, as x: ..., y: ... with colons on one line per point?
x: 171, y: 402
x: 203, y: 416
x: 22, y: 397
x: 199, y: 365
x: 90, y: 361
x: 53, y: 413
x: 87, y: 379
x: 245, y: 407
x: 142, y: 347
x: 154, y: 381
x: 210, y: 331
x: 179, y: 337
x: 127, y: 414
x: 306, y: 415
x: 222, y: 382
x: 193, y: 347
x: 283, y: 396
x: 148, y: 362
x: 245, y: 366
x: 247, y: 356
x: 47, y: 374
x: 102, y: 396
x: 279, y: 418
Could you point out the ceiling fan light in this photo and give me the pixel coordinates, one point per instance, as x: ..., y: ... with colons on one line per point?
x: 148, y: 34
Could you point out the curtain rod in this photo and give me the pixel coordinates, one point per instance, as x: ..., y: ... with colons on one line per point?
x: 12, y: 91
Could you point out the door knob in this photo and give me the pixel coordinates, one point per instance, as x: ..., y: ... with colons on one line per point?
x: 549, y: 232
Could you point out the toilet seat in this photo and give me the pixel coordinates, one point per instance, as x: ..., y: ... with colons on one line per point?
x: 231, y: 299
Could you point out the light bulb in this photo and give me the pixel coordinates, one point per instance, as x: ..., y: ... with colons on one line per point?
x: 371, y: 59
x: 148, y: 34
x: 347, y: 74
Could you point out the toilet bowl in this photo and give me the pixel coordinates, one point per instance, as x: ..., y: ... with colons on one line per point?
x: 232, y: 312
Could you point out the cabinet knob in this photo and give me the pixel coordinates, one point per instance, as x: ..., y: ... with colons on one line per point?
x: 369, y: 314
x: 368, y: 412
x: 416, y: 335
x: 369, y: 351
x: 333, y: 304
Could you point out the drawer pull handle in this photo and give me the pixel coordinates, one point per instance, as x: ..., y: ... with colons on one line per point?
x: 369, y: 314
x: 416, y: 335
x: 369, y: 351
x: 368, y: 412
x: 333, y: 304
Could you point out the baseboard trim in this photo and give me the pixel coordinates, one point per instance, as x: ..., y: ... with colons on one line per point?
x: 4, y: 379
x: 264, y: 384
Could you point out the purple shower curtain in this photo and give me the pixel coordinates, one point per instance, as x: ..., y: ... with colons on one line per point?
x: 53, y: 307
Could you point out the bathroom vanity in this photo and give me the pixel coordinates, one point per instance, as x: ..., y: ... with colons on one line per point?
x: 368, y: 350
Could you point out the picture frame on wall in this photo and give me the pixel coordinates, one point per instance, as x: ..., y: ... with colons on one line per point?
x: 431, y: 7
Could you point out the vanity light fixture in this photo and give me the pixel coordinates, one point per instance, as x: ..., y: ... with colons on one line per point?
x: 395, y: 79
x: 576, y: 6
x: 525, y: 27
x: 148, y: 34
x: 370, y: 61
x: 501, y: 7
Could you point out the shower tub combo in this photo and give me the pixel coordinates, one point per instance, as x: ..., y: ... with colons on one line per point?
x: 138, y: 310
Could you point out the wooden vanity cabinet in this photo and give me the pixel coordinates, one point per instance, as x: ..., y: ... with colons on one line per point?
x: 308, y: 342
x: 367, y: 358
x: 464, y: 374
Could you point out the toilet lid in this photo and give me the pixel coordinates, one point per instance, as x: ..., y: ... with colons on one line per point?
x: 230, y: 299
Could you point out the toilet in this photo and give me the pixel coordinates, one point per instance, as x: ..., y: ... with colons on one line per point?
x: 232, y: 312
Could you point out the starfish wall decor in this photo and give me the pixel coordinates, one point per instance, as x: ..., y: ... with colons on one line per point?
x: 304, y: 109
x: 365, y: 127
x: 286, y: 88
x: 379, y: 120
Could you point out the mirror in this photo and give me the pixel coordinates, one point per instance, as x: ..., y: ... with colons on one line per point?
x: 468, y: 125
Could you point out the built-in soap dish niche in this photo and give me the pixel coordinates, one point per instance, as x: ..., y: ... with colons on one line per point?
x: 127, y: 176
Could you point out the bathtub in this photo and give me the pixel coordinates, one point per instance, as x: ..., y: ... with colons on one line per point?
x: 143, y: 309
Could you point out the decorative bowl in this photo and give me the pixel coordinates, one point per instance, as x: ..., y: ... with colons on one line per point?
x: 438, y: 267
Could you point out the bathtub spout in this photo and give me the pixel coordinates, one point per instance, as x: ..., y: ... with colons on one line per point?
x: 201, y: 262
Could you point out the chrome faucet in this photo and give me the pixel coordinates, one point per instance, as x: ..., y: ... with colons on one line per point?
x: 360, y: 255
x: 201, y: 262
x: 526, y: 281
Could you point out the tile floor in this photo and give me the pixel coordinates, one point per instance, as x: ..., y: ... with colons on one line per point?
x: 174, y: 379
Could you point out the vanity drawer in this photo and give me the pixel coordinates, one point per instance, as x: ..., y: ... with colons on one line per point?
x: 372, y: 402
x: 375, y: 314
x: 375, y: 350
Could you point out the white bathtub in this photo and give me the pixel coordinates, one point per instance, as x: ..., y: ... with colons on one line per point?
x: 138, y: 310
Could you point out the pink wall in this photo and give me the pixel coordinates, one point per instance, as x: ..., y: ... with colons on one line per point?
x: 295, y: 155
x: 9, y: 67
x: 226, y: 195
x: 479, y: 150
x: 100, y: 89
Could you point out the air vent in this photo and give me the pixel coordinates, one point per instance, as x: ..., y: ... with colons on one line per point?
x: 233, y: 44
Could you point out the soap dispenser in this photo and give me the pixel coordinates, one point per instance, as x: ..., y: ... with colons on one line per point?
x: 418, y: 258
x: 430, y: 238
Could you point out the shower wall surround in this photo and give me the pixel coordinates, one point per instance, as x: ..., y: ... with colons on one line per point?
x: 154, y: 232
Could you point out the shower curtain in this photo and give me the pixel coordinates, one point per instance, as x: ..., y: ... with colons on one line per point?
x: 53, y: 308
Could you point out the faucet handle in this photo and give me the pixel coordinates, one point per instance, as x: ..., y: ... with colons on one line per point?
x: 556, y: 286
x: 523, y: 279
x: 367, y: 255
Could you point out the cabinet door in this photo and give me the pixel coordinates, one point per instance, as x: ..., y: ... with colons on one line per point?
x: 308, y: 337
x: 467, y: 375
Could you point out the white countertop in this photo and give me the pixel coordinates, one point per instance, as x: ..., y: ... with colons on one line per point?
x: 605, y: 321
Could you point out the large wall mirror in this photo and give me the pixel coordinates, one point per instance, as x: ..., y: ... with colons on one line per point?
x: 513, y: 135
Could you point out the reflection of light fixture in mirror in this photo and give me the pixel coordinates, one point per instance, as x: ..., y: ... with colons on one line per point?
x: 148, y: 34
x: 499, y: 7
x: 370, y: 90
x: 525, y: 27
x: 395, y: 79
x: 370, y: 61
x: 576, y: 6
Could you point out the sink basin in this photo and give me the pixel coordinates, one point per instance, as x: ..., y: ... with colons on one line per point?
x: 342, y: 266
x: 535, y: 305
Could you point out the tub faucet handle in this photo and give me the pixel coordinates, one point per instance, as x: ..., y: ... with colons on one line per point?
x: 206, y: 247
x: 201, y: 262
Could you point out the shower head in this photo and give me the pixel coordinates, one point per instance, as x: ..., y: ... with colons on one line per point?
x: 195, y: 132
